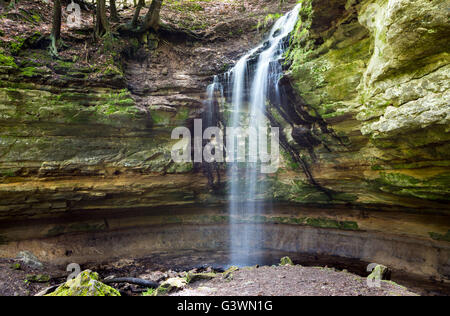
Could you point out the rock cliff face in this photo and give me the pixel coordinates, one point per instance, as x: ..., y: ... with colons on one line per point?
x: 377, y: 74
x: 85, y: 154
x: 77, y: 137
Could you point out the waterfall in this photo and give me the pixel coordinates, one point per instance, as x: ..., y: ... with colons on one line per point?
x: 210, y: 116
x: 254, y: 77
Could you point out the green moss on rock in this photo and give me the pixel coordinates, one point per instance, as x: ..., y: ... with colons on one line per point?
x: 6, y: 61
x: 85, y: 284
x: 329, y: 223
x: 433, y: 188
x: 440, y: 237
x: 38, y: 278
x: 149, y: 292
x: 286, y: 261
x: 379, y: 273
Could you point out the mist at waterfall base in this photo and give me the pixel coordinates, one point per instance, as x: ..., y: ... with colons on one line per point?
x: 245, y: 90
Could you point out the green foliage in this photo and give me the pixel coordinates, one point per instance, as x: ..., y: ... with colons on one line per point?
x: 194, y: 277
x: 7, y: 173
x: 36, y: 17
x: 149, y: 292
x: 433, y: 188
x: 398, y: 179
x: 7, y: 61
x: 185, y: 5
x: 16, y: 45
x: 15, y: 266
x: 329, y: 223
x: 29, y: 72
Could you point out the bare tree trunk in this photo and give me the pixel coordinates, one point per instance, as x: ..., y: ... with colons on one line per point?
x: 139, y: 7
x: 56, y: 27
x: 152, y: 17
x: 113, y: 11
x: 102, y: 24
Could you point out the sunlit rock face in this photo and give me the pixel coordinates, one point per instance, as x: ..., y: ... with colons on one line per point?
x: 377, y: 73
x: 365, y: 173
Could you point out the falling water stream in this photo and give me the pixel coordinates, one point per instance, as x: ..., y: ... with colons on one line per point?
x: 251, y: 80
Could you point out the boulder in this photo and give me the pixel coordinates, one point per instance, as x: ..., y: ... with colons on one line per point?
x: 380, y: 272
x: 29, y: 260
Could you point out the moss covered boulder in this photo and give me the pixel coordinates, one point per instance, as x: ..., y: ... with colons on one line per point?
x: 380, y: 272
x: 85, y: 284
x: 170, y: 285
x: 286, y: 261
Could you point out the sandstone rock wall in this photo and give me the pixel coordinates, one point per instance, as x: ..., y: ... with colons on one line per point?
x: 377, y: 73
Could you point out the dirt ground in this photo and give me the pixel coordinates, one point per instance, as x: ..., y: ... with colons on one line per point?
x: 14, y: 278
x: 291, y: 281
x: 210, y: 20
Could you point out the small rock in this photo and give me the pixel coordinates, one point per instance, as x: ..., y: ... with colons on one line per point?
x: 171, y: 285
x: 380, y: 272
x: 286, y: 261
x: 156, y: 276
x: 30, y: 260
x: 194, y: 277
